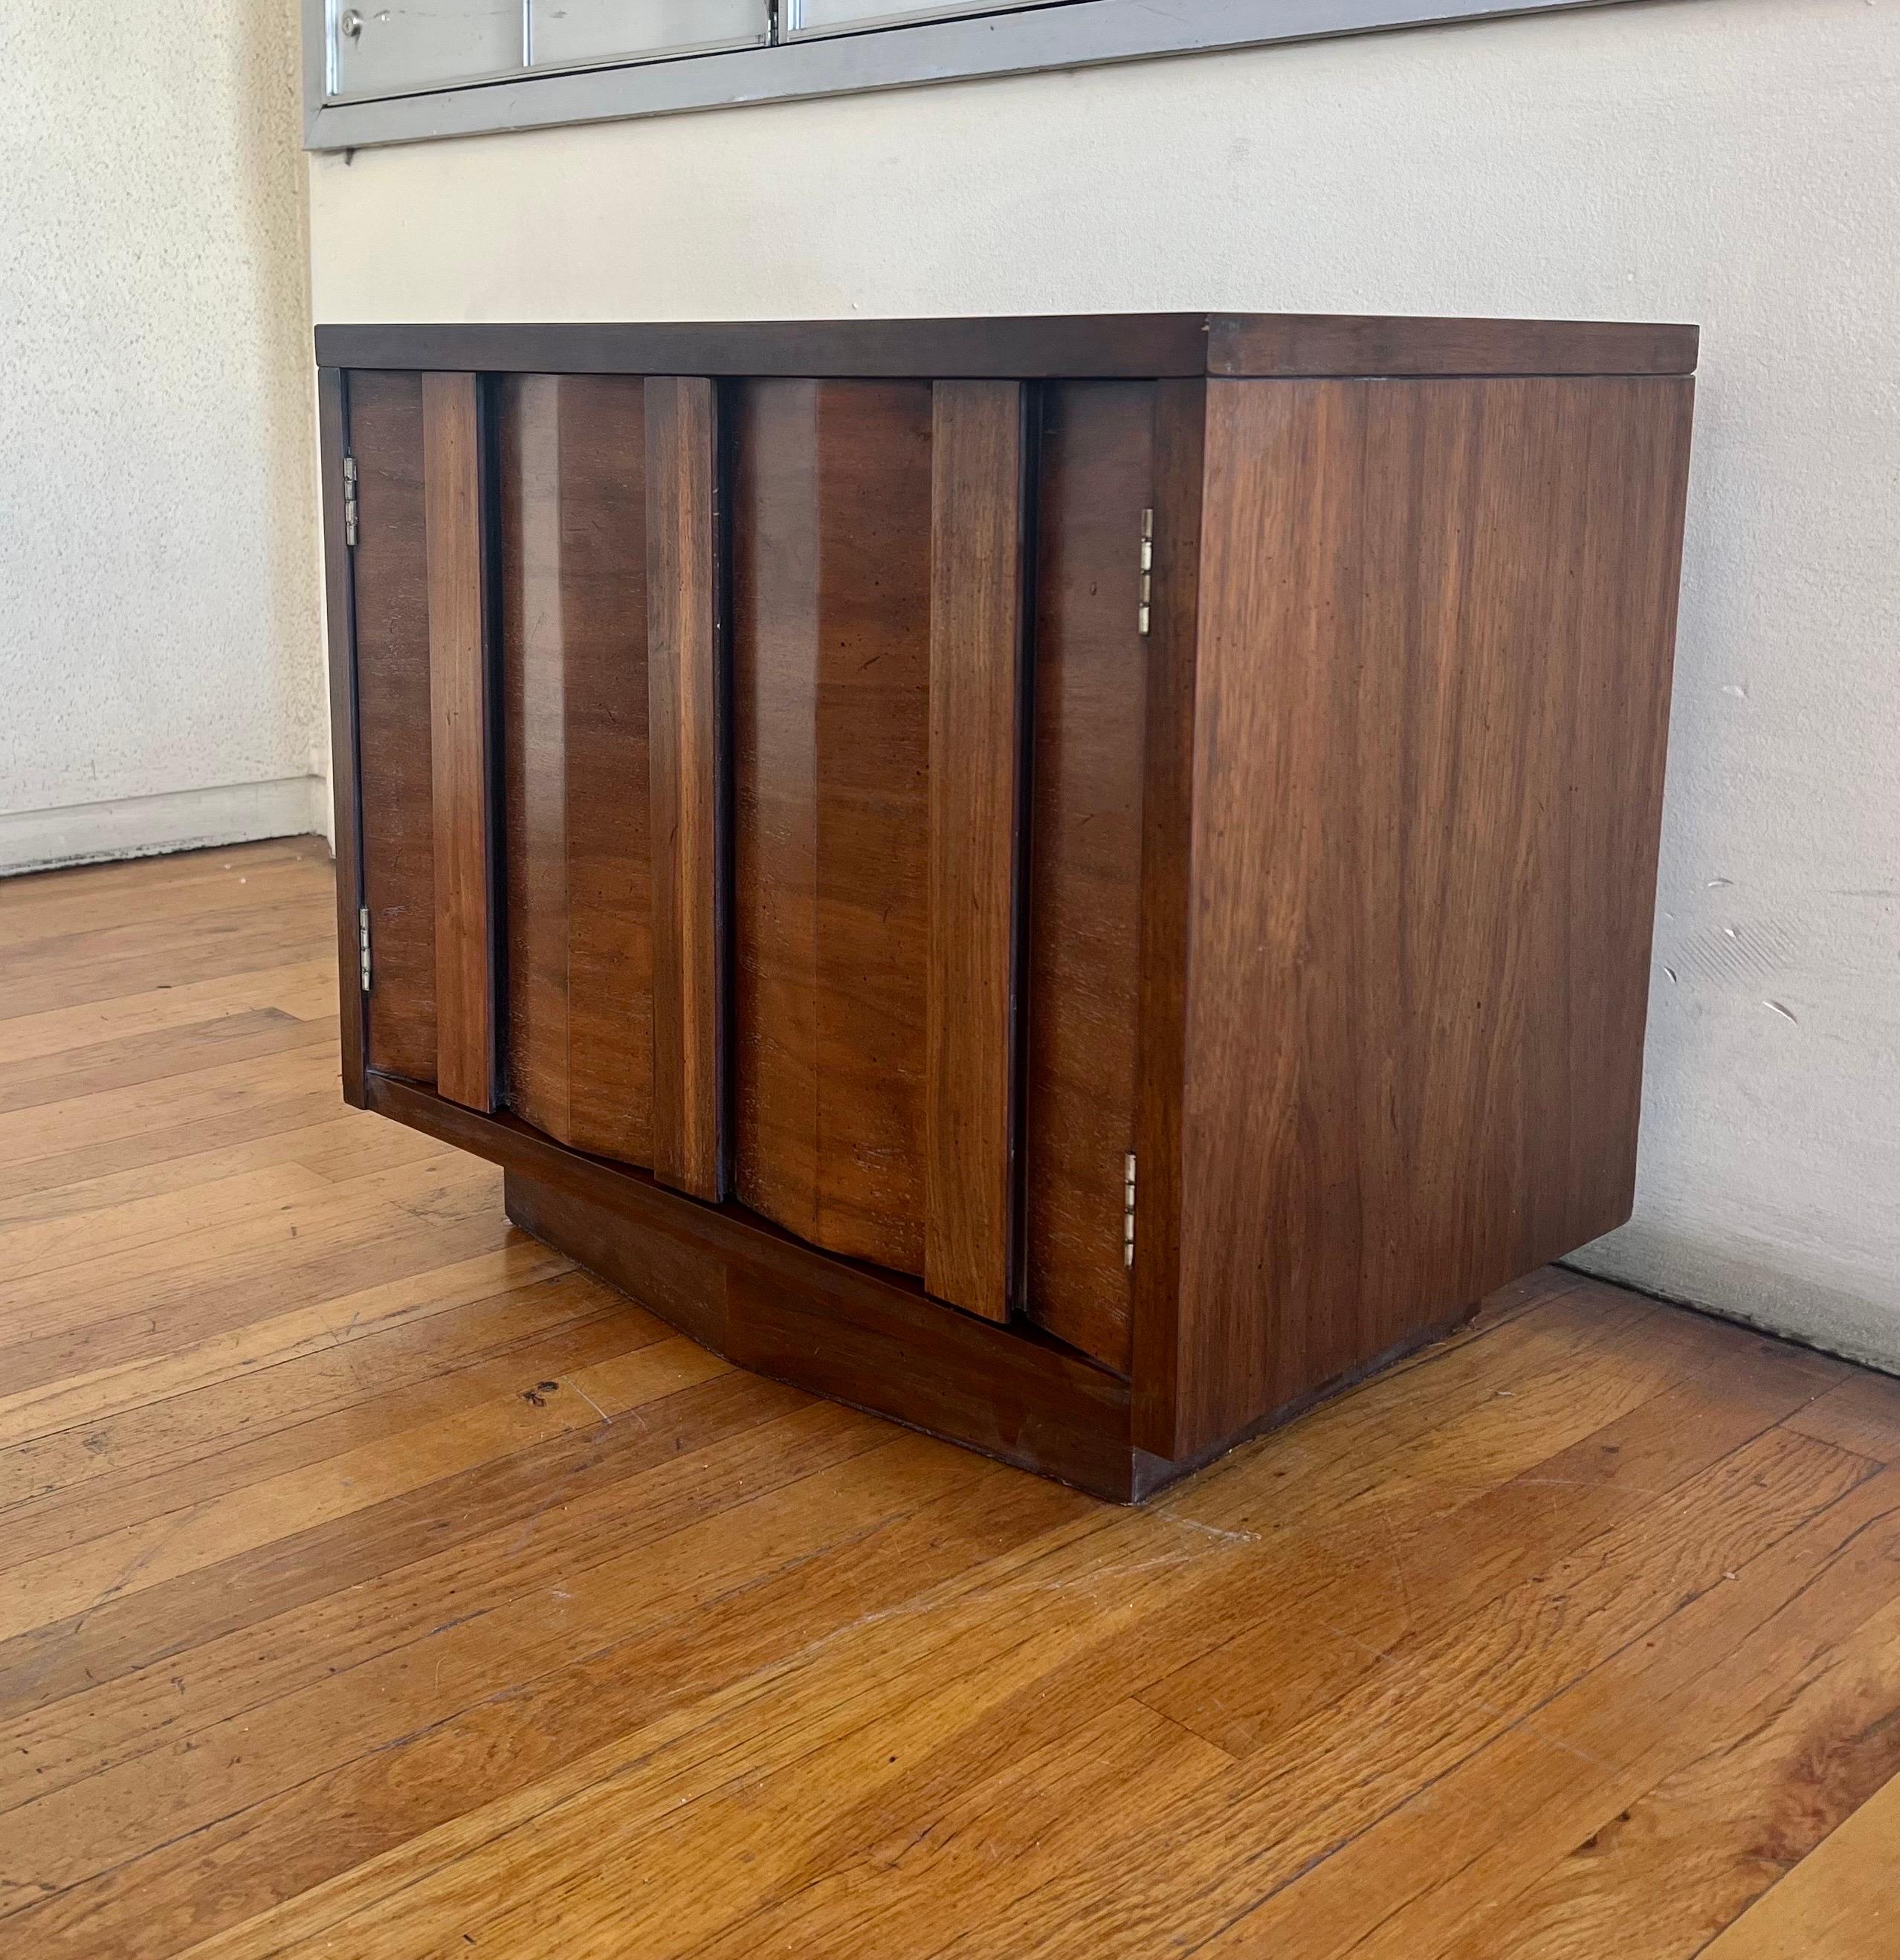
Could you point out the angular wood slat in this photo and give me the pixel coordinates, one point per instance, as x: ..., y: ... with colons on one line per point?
x: 1131, y: 346
x: 394, y: 766
x: 831, y: 662
x: 685, y: 712
x: 579, y: 968
x: 452, y: 420
x: 978, y: 683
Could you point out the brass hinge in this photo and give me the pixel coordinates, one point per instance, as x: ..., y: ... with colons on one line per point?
x: 1147, y: 568
x: 363, y: 944
x: 349, y: 508
x: 1128, y: 1210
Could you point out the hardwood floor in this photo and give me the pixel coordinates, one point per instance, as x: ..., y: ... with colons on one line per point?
x: 372, y: 1584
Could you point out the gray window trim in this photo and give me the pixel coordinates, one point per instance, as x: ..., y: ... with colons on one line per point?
x: 1068, y: 34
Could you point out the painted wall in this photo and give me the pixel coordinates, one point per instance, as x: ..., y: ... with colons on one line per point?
x: 160, y: 661
x: 1734, y: 162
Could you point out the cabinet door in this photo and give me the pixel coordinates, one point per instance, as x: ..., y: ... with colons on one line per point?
x: 935, y: 733
x: 878, y: 677
x: 539, y: 774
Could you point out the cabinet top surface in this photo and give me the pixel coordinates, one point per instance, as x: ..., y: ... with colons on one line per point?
x: 1137, y: 346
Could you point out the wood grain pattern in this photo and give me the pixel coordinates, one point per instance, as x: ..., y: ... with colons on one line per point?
x: 578, y: 916
x: 831, y: 653
x: 1095, y: 480
x: 1430, y: 724
x: 977, y: 700
x: 1139, y: 346
x: 395, y: 766
x: 1840, y: 1902
x: 685, y: 719
x: 339, y: 636
x: 453, y: 419
x: 413, y: 1617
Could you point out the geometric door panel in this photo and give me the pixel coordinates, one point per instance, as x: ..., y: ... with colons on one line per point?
x: 538, y: 688
x: 575, y: 822
x: 877, y: 661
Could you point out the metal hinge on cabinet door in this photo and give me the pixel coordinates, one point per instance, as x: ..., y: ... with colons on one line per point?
x: 349, y: 504
x: 1148, y: 573
x: 363, y: 944
x: 1128, y: 1210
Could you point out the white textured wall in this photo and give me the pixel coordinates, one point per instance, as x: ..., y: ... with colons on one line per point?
x: 1732, y: 162
x: 161, y: 664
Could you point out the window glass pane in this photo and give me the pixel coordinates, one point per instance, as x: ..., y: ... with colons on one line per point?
x: 569, y: 33
x: 836, y: 16
x: 384, y: 47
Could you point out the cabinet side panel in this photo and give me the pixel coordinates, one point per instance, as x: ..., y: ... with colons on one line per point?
x: 1431, y: 704
x: 392, y: 612
x: 1095, y: 480
x: 574, y: 709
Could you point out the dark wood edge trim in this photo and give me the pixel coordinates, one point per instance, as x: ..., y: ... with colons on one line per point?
x: 1028, y: 411
x: 339, y: 619
x: 1133, y: 346
x: 725, y: 450
x: 687, y: 714
x: 1180, y: 413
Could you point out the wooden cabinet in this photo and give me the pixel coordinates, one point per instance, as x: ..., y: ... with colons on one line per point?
x: 1078, y: 882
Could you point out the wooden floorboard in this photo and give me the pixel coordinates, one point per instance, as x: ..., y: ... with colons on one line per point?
x: 373, y: 1583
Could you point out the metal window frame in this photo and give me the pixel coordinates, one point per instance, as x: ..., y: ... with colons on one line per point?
x: 1060, y: 34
